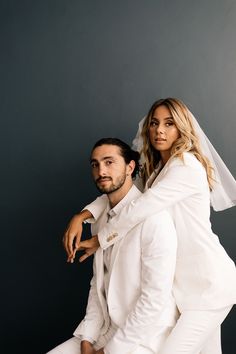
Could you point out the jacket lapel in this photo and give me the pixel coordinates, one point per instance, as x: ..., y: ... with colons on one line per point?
x: 99, y: 262
x: 155, y: 176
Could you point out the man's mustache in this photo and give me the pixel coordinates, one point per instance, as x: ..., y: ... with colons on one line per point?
x: 103, y: 178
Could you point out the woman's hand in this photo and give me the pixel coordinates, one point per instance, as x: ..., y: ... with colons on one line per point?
x: 72, y: 236
x: 89, y: 247
x: 100, y: 351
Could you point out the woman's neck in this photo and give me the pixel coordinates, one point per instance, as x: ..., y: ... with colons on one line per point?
x: 165, y: 155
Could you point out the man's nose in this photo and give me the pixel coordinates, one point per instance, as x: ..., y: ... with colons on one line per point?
x: 101, y: 170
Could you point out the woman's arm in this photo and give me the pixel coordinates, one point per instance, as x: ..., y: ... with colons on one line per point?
x: 74, y: 230
x: 178, y: 183
x: 73, y: 233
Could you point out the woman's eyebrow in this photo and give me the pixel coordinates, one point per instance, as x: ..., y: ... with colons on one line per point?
x: 156, y: 118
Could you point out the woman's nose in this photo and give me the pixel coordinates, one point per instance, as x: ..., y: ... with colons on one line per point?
x: 160, y: 129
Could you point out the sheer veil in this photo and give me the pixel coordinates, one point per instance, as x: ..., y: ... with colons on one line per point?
x: 223, y: 195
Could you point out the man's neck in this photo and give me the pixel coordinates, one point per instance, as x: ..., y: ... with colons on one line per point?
x: 118, y: 195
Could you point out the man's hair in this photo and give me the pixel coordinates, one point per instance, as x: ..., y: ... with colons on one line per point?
x: 125, y: 151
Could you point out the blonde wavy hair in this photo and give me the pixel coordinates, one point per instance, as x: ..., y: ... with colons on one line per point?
x: 188, y: 140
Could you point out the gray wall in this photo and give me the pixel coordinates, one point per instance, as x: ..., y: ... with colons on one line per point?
x: 73, y: 71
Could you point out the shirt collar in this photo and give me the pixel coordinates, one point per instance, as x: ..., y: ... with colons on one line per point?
x: 132, y: 194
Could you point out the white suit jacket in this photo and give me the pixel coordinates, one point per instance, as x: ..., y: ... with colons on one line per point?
x: 205, y: 275
x: 139, y: 298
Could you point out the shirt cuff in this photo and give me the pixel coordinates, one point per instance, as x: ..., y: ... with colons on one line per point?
x: 89, y: 221
x: 88, y: 339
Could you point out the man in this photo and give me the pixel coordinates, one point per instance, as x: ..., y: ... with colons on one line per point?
x: 130, y: 306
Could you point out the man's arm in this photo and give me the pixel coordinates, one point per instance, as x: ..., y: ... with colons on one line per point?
x: 159, y: 246
x: 72, y: 236
x: 90, y: 326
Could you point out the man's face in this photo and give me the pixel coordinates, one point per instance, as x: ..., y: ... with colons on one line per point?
x: 108, y: 168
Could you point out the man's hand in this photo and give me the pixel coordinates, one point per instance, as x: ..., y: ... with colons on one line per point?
x: 89, y: 247
x: 73, y: 234
x: 87, y: 348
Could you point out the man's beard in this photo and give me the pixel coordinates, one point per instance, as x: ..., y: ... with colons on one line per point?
x: 113, y: 186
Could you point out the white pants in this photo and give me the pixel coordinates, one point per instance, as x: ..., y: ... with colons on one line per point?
x: 72, y: 346
x: 196, y: 332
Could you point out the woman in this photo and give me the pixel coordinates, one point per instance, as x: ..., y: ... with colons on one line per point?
x: 178, y: 176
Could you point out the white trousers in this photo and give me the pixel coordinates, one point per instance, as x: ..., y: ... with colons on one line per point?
x: 72, y: 346
x: 196, y: 332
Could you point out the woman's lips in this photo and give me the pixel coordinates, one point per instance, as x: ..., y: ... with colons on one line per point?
x: 158, y: 140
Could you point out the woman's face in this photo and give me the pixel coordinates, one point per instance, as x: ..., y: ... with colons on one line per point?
x: 163, y: 131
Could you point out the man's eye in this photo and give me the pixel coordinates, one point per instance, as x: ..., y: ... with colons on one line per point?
x: 109, y: 162
x: 93, y: 165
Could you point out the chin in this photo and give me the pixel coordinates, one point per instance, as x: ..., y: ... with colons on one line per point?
x: 161, y: 148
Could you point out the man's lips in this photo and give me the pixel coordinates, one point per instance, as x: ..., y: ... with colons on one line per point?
x: 103, y: 179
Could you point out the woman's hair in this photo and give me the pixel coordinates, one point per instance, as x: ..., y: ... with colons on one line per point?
x: 188, y: 140
x: 125, y: 151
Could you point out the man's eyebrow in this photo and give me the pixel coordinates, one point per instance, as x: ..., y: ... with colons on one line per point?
x: 108, y: 157
x: 104, y: 158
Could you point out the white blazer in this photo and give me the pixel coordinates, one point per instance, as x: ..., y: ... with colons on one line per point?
x: 205, y: 275
x: 139, y: 299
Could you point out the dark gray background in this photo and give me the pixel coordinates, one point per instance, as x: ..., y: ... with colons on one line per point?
x: 74, y: 71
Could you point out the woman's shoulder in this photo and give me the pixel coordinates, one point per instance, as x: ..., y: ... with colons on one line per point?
x: 188, y: 160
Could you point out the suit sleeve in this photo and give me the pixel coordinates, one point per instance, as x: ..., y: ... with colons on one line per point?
x: 179, y: 182
x: 96, y: 208
x: 158, y: 249
x: 90, y: 326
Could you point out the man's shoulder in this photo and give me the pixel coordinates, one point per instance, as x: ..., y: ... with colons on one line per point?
x: 135, y: 192
x: 101, y: 220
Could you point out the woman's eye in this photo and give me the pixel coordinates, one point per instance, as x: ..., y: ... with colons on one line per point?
x: 153, y: 123
x: 169, y: 124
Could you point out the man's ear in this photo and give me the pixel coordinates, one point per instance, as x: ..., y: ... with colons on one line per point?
x: 130, y: 167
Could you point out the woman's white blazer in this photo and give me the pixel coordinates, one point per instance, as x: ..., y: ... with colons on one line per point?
x: 205, y: 275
